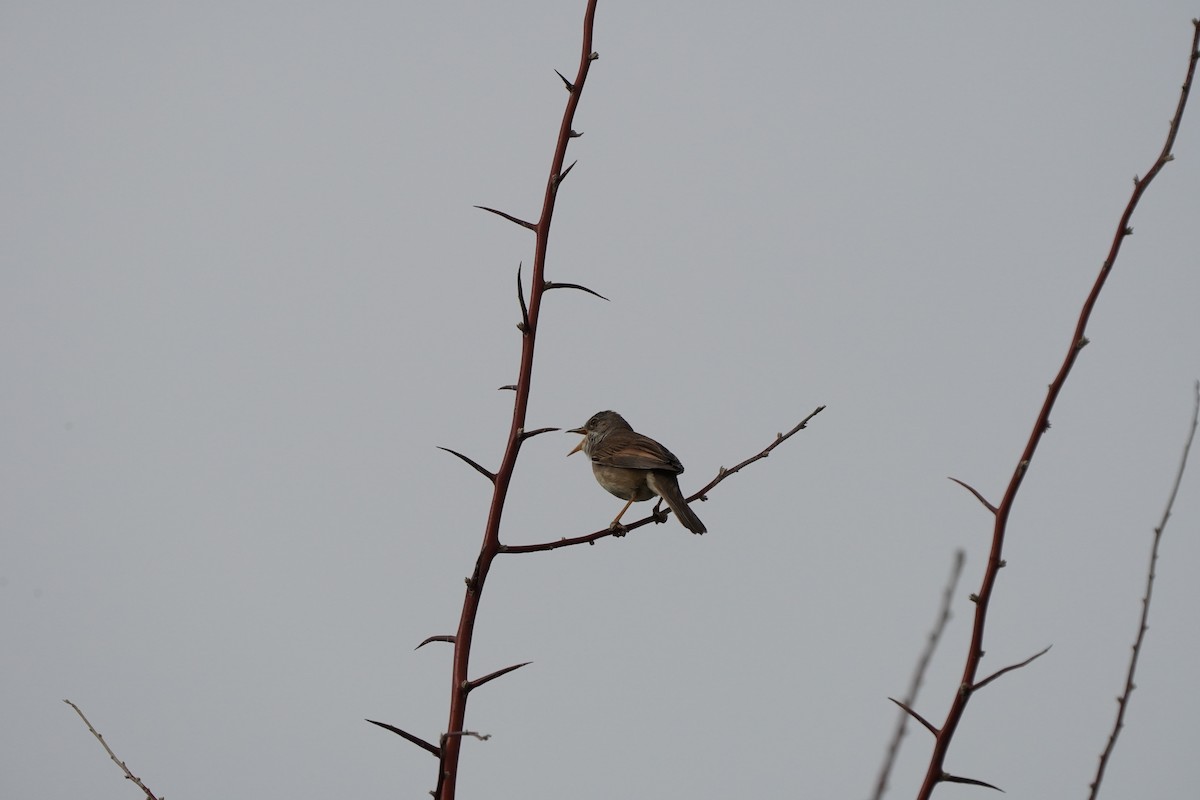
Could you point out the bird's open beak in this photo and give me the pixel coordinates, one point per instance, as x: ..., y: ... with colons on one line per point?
x: 579, y: 446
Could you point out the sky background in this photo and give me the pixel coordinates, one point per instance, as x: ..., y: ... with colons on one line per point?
x: 244, y: 295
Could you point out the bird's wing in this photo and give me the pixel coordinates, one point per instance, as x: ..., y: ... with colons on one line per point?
x: 636, y: 451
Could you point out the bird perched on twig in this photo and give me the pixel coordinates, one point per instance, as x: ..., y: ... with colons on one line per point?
x: 633, y: 467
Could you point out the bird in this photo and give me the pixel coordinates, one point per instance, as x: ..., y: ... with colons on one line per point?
x: 633, y: 467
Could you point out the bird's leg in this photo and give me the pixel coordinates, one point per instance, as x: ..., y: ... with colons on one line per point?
x: 616, y: 523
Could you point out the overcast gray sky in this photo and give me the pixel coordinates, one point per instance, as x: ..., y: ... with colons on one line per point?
x: 244, y: 296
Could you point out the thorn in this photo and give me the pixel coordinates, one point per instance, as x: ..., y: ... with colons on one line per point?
x: 948, y: 778
x: 562, y: 176
x: 548, y: 285
x: 974, y: 598
x: 442, y: 638
x: 491, y: 476
x: 1082, y: 343
x: 524, y: 326
x: 573, y: 134
x: 475, y: 684
x: 928, y: 725
x: 593, y: 56
x: 566, y: 82
x: 509, y: 217
x: 530, y: 434
x: 417, y: 740
x: 1129, y: 231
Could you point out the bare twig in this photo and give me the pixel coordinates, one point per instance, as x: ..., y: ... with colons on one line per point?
x: 780, y: 438
x: 978, y: 496
x: 722, y: 474
x: 1010, y: 668
x: 1123, y: 700
x: 128, y: 774
x: 918, y: 676
x: 935, y: 772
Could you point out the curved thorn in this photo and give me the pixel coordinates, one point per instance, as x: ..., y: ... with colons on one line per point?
x: 491, y: 476
x: 978, y: 496
x: 948, y: 778
x: 509, y: 217
x: 574, y: 134
x: 417, y: 740
x: 475, y: 684
x: 531, y: 434
x: 521, y: 299
x: 552, y: 285
x: 441, y: 638
x: 1009, y: 668
x: 512, y: 387
x: 916, y: 716
x: 566, y: 82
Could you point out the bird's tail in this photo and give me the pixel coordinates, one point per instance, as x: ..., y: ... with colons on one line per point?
x: 667, y: 487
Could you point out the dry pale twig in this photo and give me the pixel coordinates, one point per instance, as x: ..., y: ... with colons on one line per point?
x: 918, y: 676
x: 1123, y: 700
x: 128, y: 773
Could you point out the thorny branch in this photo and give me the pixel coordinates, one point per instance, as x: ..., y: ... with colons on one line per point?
x: 460, y: 683
x: 935, y: 772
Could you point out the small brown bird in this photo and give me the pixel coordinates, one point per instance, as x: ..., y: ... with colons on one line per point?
x: 633, y: 466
